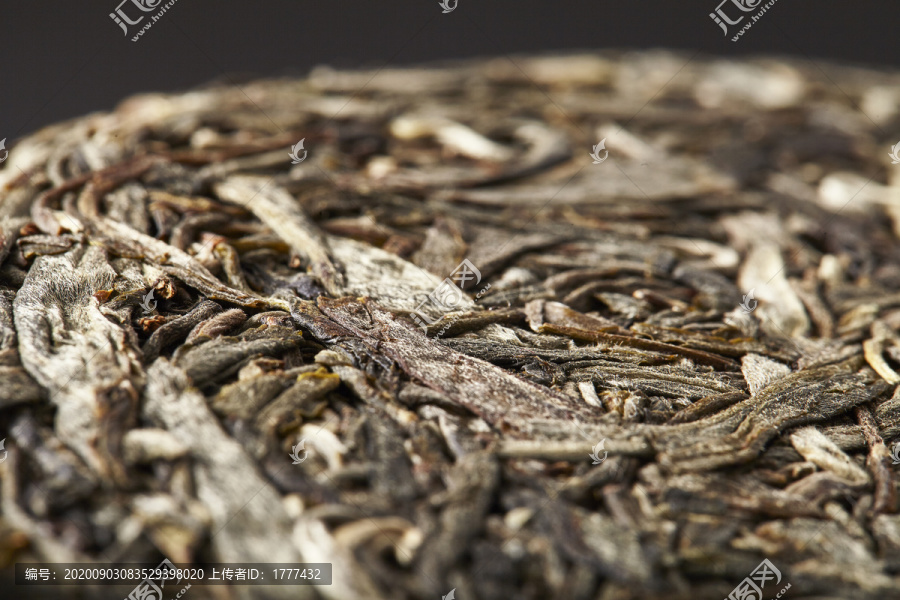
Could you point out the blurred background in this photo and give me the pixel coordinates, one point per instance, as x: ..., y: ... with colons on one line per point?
x: 64, y: 59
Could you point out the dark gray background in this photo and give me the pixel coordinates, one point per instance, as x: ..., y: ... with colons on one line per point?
x: 64, y: 59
